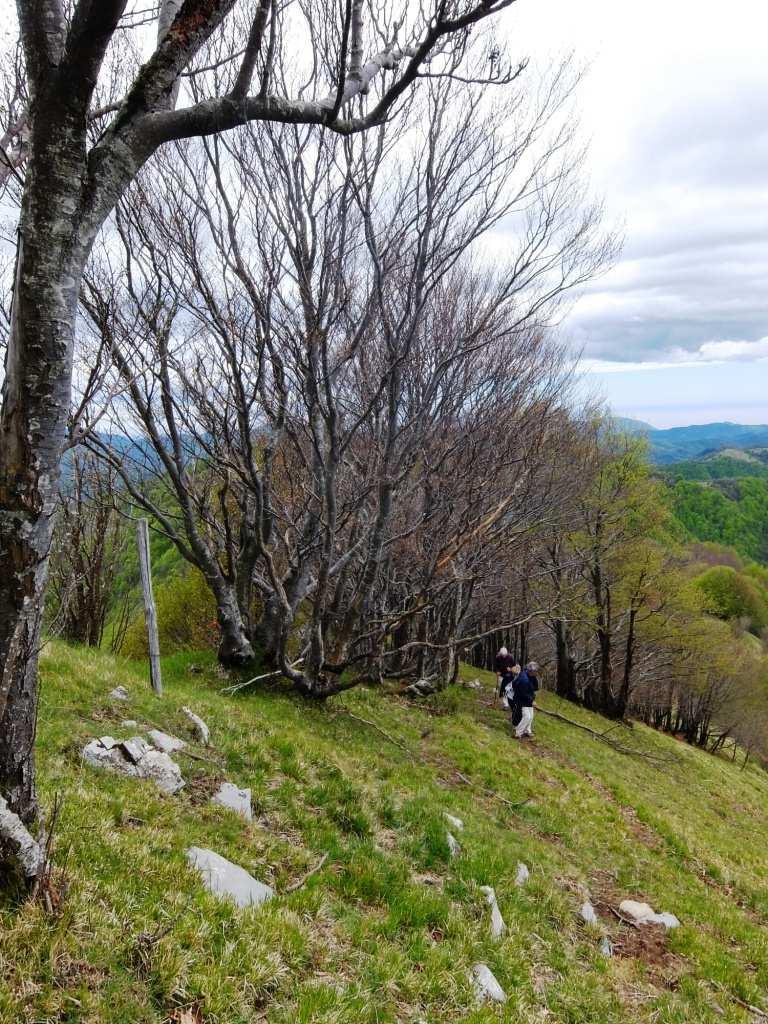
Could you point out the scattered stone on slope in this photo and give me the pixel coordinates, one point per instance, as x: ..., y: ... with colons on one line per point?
x: 421, y: 688
x: 487, y: 989
x: 453, y: 844
x: 129, y: 723
x: 523, y: 874
x: 454, y: 822
x: 474, y: 684
x: 605, y: 947
x: 587, y: 913
x: 200, y: 730
x: 643, y: 913
x: 163, y: 741
x: 119, y: 693
x: 136, y: 758
x: 497, y: 921
x: 230, y: 881
x: 237, y: 800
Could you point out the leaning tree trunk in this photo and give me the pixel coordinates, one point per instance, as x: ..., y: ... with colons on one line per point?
x: 33, y: 422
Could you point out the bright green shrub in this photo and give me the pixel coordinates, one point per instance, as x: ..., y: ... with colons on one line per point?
x: 186, y: 618
x: 728, y: 594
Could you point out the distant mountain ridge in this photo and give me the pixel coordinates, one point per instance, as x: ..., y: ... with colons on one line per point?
x: 676, y: 444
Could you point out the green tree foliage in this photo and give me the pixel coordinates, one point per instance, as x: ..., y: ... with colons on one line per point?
x: 718, y: 468
x: 733, y: 512
x: 186, y: 618
x: 728, y: 594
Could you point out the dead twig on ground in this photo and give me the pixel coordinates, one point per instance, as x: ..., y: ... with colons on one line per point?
x: 305, y: 877
x: 747, y: 1006
x: 657, y: 759
x: 258, y: 679
x: 492, y: 792
x: 373, y: 725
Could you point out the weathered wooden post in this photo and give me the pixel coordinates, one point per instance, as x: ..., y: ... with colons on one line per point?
x: 150, y: 613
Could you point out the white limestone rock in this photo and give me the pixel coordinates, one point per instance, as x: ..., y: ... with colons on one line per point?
x: 119, y: 693
x: 200, y: 730
x: 237, y: 800
x: 128, y: 723
x: 454, y: 822
x: 523, y: 874
x: 497, y: 921
x: 487, y: 989
x: 587, y: 913
x: 135, y: 758
x: 227, y: 880
x: 453, y: 844
x: 643, y: 913
x: 165, y: 742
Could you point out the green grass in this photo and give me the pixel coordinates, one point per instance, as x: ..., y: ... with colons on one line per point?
x: 389, y: 928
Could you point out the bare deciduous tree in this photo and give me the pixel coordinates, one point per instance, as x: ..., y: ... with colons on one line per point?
x: 83, y: 126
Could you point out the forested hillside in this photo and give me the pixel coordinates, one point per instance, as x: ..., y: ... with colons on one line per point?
x: 731, y: 511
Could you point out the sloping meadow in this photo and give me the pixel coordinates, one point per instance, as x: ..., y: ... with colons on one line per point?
x: 390, y: 925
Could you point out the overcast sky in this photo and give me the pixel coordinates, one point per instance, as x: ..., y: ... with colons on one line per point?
x: 675, y: 106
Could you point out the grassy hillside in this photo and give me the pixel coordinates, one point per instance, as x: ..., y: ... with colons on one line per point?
x: 388, y: 929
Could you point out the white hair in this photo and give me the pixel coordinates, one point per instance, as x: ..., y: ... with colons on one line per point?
x: 503, y: 650
x: 532, y: 666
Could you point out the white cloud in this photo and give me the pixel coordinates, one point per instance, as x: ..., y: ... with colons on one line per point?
x: 710, y: 353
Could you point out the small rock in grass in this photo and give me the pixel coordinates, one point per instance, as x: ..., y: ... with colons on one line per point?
x: 643, y: 913
x: 523, y: 874
x: 668, y: 920
x: 129, y: 723
x: 474, y: 684
x: 228, y: 880
x: 200, y: 730
x: 456, y: 823
x: 237, y: 800
x: 135, y: 748
x: 497, y: 921
x: 119, y: 693
x: 587, y: 913
x: 137, y: 759
x: 164, y: 742
x: 605, y: 947
x: 453, y: 845
x: 487, y: 989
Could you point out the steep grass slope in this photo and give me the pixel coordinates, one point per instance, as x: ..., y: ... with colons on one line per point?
x: 391, y: 925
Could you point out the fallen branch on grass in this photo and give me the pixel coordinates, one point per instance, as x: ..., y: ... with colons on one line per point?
x: 492, y: 792
x: 378, y: 729
x: 258, y: 679
x: 747, y: 1006
x: 304, y: 878
x: 658, y: 759
x: 621, y: 917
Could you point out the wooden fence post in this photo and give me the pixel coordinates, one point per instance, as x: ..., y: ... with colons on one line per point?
x: 150, y: 613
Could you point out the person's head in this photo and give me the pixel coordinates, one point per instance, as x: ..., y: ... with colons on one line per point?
x: 503, y: 651
x: 516, y: 669
x: 532, y: 668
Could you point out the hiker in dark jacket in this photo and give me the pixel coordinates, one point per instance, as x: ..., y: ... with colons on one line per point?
x: 524, y: 695
x: 503, y: 663
x: 507, y: 691
x: 532, y: 671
